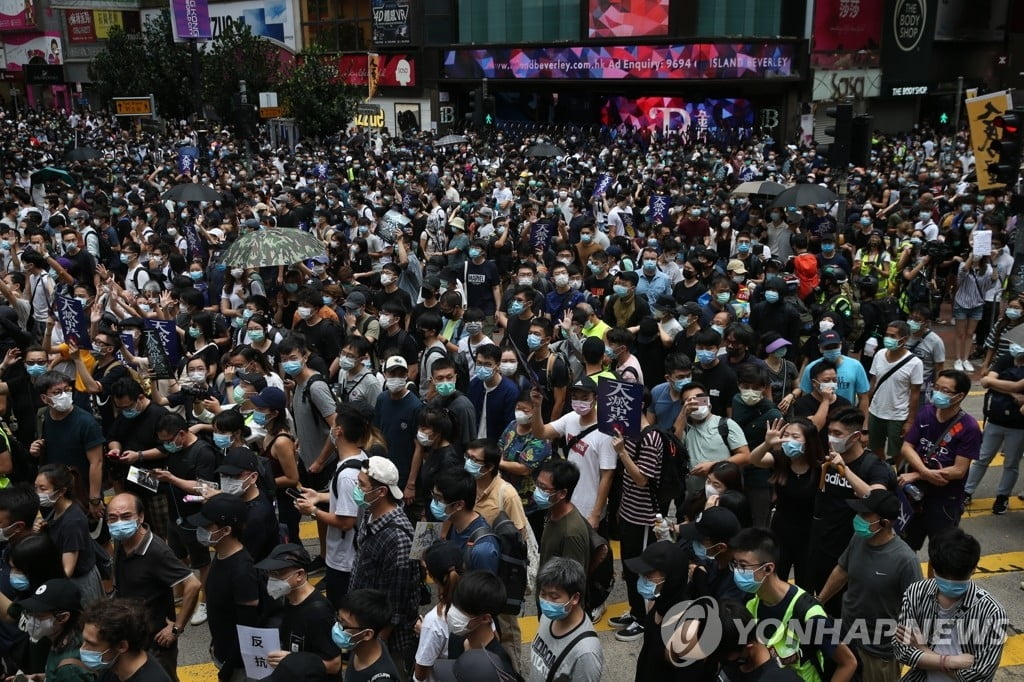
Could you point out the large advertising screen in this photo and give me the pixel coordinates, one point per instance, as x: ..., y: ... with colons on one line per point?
x: 626, y: 18
x: 694, y: 61
x: 698, y: 118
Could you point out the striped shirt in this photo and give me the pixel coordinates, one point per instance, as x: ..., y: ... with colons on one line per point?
x: 981, y: 625
x: 637, y: 504
x: 971, y: 287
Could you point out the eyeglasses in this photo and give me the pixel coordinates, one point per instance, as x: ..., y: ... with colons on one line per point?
x: 737, y: 566
x: 478, y: 461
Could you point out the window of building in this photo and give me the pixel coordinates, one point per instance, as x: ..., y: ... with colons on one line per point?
x: 337, y: 25
x: 518, y: 21
x: 739, y: 18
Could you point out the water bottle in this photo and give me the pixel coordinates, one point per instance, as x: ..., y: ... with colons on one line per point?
x: 661, y: 529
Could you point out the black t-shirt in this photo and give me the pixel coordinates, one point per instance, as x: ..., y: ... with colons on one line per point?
x: 517, y: 331
x: 833, y: 519
x: 720, y: 381
x: 381, y: 670
x: 306, y: 626
x: 232, y: 582
x: 559, y: 379
x: 148, y: 576
x: 767, y: 672
x: 480, y: 282
x: 261, y: 532
x: 402, y: 344
x: 199, y: 460
x: 399, y: 295
x: 150, y: 671
x: 106, y: 376
x: 70, y: 533
x: 324, y: 338
x: 684, y: 294
x: 600, y: 288
x: 137, y: 434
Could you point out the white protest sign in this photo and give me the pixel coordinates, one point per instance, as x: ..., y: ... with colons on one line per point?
x: 255, y: 644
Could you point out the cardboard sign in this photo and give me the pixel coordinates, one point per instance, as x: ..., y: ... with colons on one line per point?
x: 255, y: 644
x: 73, y: 320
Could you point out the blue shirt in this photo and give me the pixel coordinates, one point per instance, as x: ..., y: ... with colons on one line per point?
x: 555, y: 304
x: 851, y: 377
x: 664, y: 406
x: 397, y: 421
x: 501, y: 404
x: 652, y: 287
x: 485, y: 553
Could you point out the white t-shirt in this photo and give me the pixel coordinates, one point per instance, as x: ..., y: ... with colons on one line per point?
x: 433, y: 645
x: 341, y: 552
x: 892, y: 398
x: 591, y: 454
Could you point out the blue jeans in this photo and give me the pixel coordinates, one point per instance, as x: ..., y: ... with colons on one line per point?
x: 1012, y: 443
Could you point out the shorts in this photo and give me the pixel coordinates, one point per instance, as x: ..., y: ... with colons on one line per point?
x: 967, y: 313
x: 183, y: 543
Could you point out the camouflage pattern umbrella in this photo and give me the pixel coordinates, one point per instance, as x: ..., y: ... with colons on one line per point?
x: 274, y: 246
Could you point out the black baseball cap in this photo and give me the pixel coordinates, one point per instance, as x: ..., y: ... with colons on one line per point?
x: 584, y: 384
x: 221, y: 510
x: 237, y: 460
x: 255, y: 380
x: 881, y: 502
x: 288, y: 555
x: 59, y: 594
x: 658, y: 556
x: 302, y: 666
x: 715, y: 523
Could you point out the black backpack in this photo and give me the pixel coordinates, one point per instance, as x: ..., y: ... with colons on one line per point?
x: 675, y: 467
x: 308, y: 387
x: 601, y: 572
x: 513, y: 562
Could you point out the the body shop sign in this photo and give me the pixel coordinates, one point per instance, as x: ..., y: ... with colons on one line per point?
x: 908, y: 34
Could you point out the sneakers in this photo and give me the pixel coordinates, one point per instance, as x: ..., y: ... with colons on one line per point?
x: 631, y: 633
x: 967, y: 500
x: 316, y: 565
x: 968, y: 367
x: 1001, y: 505
x: 199, y: 617
x: 597, y: 613
x: 958, y: 365
x: 623, y: 621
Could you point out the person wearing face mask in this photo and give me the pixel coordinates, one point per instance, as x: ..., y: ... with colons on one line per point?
x: 232, y: 585
x: 363, y: 618
x: 189, y: 460
x: 307, y: 616
x: 476, y: 602
x: 562, y: 297
x: 146, y: 569
x: 951, y: 595
x: 492, y: 394
x: 877, y: 568
x: 851, y: 471
x: 666, y: 398
x: 652, y: 282
x: 997, y: 344
x: 474, y: 338
x: 755, y: 558
x: 19, y: 506
x: 926, y: 224
x: 522, y: 454
x: 138, y: 274
x: 483, y: 283
x: 396, y: 413
x: 240, y: 474
x: 114, y: 638
x: 355, y: 381
x: 588, y: 448
x: 775, y: 313
x: 453, y: 498
x: 313, y: 321
x: 390, y: 290
x: 897, y: 374
x: 939, y: 448
x: 384, y: 539
x: 50, y: 615
x: 709, y: 535
x: 851, y: 378
x: 565, y: 644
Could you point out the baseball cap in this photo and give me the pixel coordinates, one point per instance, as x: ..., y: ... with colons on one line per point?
x: 384, y: 471
x: 647, y: 331
x: 251, y: 224
x: 715, y: 523
x: 661, y: 556
x: 881, y: 502
x: 395, y: 361
x: 302, y: 666
x: 665, y: 304
x: 271, y: 397
x: 355, y: 300
x: 221, y: 510
x: 691, y: 308
x: 830, y: 338
x: 59, y: 594
x: 431, y: 283
x: 237, y: 460
x: 776, y: 344
x: 585, y: 384
x: 486, y: 211
x: 736, y: 265
x: 257, y: 381
x: 288, y: 555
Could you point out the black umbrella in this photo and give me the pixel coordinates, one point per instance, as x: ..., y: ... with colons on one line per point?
x: 805, y: 194
x: 191, y: 191
x: 544, y: 149
x: 83, y: 154
x: 764, y: 187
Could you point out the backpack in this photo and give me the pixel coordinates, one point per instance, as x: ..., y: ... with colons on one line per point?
x: 24, y: 466
x: 513, y: 563
x: 308, y: 387
x: 675, y: 467
x: 854, y: 321
x: 600, y: 572
x: 784, y: 646
x: 886, y: 311
x: 806, y: 316
x: 458, y: 360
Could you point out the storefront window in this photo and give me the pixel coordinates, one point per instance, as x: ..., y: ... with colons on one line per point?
x: 739, y: 17
x: 337, y: 25
x: 518, y: 21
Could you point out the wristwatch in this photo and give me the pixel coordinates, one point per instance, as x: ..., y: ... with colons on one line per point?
x: 175, y: 630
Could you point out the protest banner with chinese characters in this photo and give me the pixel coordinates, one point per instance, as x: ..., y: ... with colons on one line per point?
x: 255, y: 644
x: 541, y: 234
x: 187, y: 157
x: 981, y: 113
x: 657, y: 208
x: 162, y: 342
x: 73, y: 320
x: 618, y: 407
x: 604, y: 181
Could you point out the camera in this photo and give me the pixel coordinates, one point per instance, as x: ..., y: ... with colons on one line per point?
x: 938, y: 251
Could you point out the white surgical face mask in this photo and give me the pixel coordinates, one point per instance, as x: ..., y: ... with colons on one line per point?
x: 458, y: 622
x: 523, y: 417
x: 709, y: 490
x: 396, y: 384
x: 277, y: 587
x: 701, y: 413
